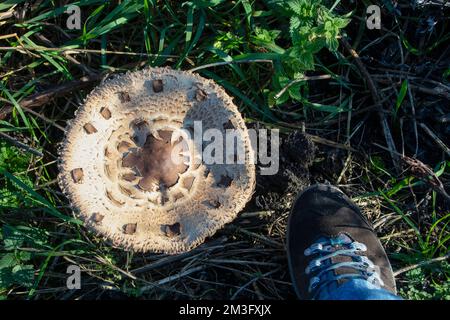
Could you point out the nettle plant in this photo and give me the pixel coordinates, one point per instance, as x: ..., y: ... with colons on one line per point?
x: 313, y: 26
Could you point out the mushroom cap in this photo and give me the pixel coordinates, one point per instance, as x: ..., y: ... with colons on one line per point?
x: 116, y: 165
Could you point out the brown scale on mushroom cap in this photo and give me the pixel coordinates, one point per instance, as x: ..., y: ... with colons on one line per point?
x: 117, y: 166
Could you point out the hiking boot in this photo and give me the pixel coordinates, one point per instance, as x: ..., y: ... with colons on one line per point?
x: 330, y: 242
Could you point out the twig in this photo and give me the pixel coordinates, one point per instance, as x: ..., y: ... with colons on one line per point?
x: 41, y: 98
x: 330, y: 143
x: 440, y: 89
x: 53, y: 123
x: 437, y: 91
x: 161, y: 263
x: 258, y: 214
x: 172, y: 278
x: 175, y: 258
x: 344, y: 169
x: 436, y: 138
x: 109, y: 264
x: 21, y: 145
x: 80, y: 65
x: 421, y: 264
x: 376, y: 99
x: 243, y: 262
x: 234, y: 296
x: 260, y: 237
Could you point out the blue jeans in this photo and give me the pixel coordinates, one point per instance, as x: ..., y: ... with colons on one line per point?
x: 355, y: 289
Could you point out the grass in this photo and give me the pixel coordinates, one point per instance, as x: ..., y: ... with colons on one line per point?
x: 285, y: 65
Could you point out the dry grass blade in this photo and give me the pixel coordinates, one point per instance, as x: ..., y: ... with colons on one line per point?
x: 172, y: 278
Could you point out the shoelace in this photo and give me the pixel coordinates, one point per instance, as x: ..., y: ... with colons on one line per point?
x: 326, y: 249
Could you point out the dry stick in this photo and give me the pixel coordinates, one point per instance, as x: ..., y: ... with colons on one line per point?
x: 243, y: 262
x: 436, y: 138
x: 20, y: 144
x: 67, y: 56
x: 265, y: 213
x: 53, y: 123
x: 162, y: 262
x: 330, y: 143
x: 41, y: 98
x: 6, y: 15
x: 439, y: 90
x: 172, y: 278
x: 318, y: 139
x: 376, y: 99
x: 421, y: 264
x: 107, y: 263
x: 256, y: 278
x: 413, y: 77
x: 260, y: 237
x: 344, y: 169
x: 44, y: 185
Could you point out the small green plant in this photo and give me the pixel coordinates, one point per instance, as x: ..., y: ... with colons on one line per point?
x: 312, y: 27
x: 15, y: 267
x: 12, y: 160
x: 428, y: 283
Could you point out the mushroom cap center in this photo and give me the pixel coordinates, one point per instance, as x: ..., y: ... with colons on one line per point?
x: 157, y: 161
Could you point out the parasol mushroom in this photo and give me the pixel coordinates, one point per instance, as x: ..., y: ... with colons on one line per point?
x: 117, y: 166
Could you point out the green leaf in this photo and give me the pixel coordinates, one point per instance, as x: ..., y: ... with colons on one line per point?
x: 24, y: 234
x: 446, y: 73
x: 405, y: 217
x: 6, y: 279
x: 24, y: 256
x: 248, y: 11
x: 404, y: 183
x: 12, y: 240
x: 266, y: 39
x: 401, y: 96
x: 294, y: 91
x: 23, y: 275
x: 8, y: 260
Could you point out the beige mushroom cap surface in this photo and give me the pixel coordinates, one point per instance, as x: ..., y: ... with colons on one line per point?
x: 117, y: 164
